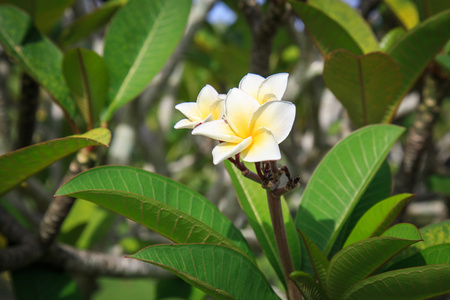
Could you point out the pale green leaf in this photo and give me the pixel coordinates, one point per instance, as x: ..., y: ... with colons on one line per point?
x: 18, y: 165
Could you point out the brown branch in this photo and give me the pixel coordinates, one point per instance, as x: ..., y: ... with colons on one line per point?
x: 26, y: 249
x: 420, y: 135
x: 59, y: 208
x: 28, y: 103
x: 263, y: 27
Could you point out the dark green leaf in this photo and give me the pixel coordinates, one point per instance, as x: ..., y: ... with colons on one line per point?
x: 439, y: 254
x: 439, y: 184
x: 36, y: 54
x: 253, y: 200
x: 87, y: 77
x: 218, y: 271
x: 365, y: 85
x: 308, y: 286
x: 158, y: 203
x: 89, y: 23
x: 41, y: 283
x: 359, y: 260
x: 340, y: 180
x: 318, y: 260
x: 415, y: 50
x: 335, y: 25
x: 142, y: 36
x: 18, y: 165
x: 407, y: 284
x: 44, y: 13
x: 376, y: 220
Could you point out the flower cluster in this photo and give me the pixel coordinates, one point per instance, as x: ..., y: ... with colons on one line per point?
x: 250, y: 120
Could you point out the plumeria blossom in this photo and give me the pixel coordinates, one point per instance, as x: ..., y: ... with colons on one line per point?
x: 264, y: 89
x: 249, y: 128
x: 209, y: 107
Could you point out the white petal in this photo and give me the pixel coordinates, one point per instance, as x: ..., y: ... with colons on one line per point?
x: 190, y: 110
x: 185, y: 123
x: 226, y: 150
x: 273, y: 87
x: 218, y: 130
x: 239, y: 107
x: 250, y: 84
x: 205, y: 99
x: 217, y: 108
x: 264, y: 147
x: 277, y: 116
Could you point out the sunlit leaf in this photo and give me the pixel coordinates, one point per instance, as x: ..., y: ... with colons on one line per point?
x: 142, y: 36
x: 218, y: 271
x: 87, y: 77
x: 36, y: 54
x: 359, y: 260
x: 415, y: 50
x: 365, y: 85
x: 340, y: 180
x: 390, y: 38
x: 253, y: 200
x: 407, y: 284
x: 308, y: 286
x: 335, y: 25
x: 375, y: 221
x: 157, y: 202
x: 405, y: 11
x: 89, y: 23
x: 438, y: 254
x: 18, y: 165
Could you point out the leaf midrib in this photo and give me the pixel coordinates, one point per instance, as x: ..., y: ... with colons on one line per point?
x: 140, y: 56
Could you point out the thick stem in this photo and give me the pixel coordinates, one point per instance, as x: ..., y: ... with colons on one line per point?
x: 284, y: 253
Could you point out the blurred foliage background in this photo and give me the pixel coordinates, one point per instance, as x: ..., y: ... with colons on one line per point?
x: 216, y: 50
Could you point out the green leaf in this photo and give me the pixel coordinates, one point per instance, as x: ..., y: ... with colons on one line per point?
x: 439, y: 184
x: 308, y: 286
x: 89, y: 23
x: 87, y: 77
x: 402, y: 230
x: 376, y: 220
x: 438, y: 254
x: 45, y: 13
x: 405, y: 11
x: 408, y: 284
x: 157, y: 202
x: 415, y: 51
x: 318, y: 260
x: 444, y: 61
x: 86, y: 224
x: 142, y: 36
x: 359, y: 260
x: 218, y: 271
x: 432, y: 235
x: 42, y: 283
x: 253, y: 200
x: 365, y: 84
x: 390, y: 38
x: 378, y: 189
x: 335, y: 25
x: 18, y: 165
x: 340, y: 180
x: 37, y: 55
x: 428, y: 8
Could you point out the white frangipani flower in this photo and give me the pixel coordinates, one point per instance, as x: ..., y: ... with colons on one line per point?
x: 209, y: 107
x: 251, y: 129
x: 264, y: 89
